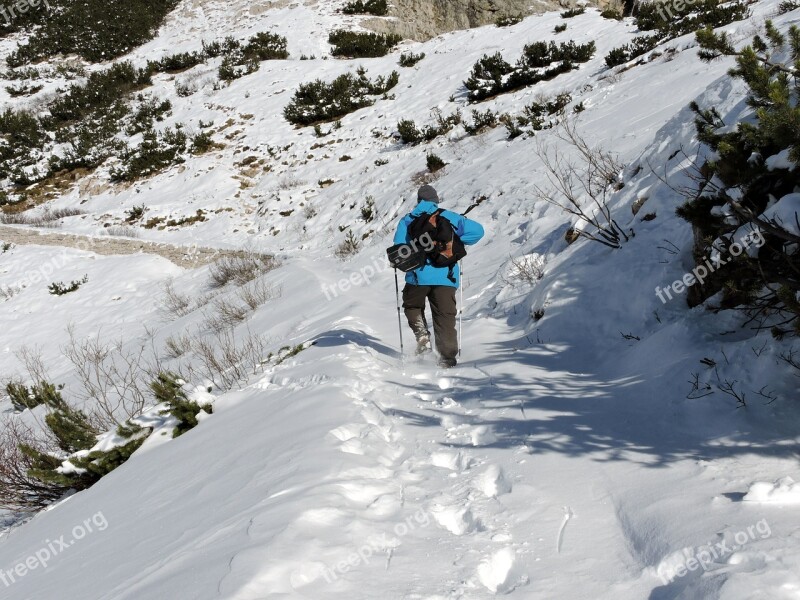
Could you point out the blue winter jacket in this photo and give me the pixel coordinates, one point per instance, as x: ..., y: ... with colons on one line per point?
x: 469, y: 231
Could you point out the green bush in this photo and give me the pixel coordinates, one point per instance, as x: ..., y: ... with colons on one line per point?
x: 410, y: 134
x: 409, y: 59
x: 175, y: 63
x: 265, y: 46
x: 242, y: 59
x: 488, y: 76
x: 540, y: 61
x: 560, y: 28
x: 157, y: 151
x: 573, y: 12
x: 23, y: 136
x: 90, y: 28
x: 74, y: 435
x: 639, y: 45
x: 168, y: 388
x: 611, y: 13
x: 149, y: 111
x: 354, y: 44
x: 408, y: 131
x: 508, y: 20
x: 59, y: 288
x: 379, y: 8
x: 136, y: 213
x: 535, y: 113
x: 42, y: 393
x: 318, y: 101
x: 220, y: 47
x: 736, y: 184
x: 434, y: 163
x: 202, y: 143
x: 235, y: 66
x: 82, y: 127
x: 671, y: 20
x: 23, y: 90
x: 481, y: 121
x: 101, y: 90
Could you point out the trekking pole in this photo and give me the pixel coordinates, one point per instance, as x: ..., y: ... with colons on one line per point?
x: 399, y: 320
x: 460, y: 307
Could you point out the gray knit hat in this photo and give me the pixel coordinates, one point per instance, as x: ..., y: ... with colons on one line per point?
x: 426, y: 192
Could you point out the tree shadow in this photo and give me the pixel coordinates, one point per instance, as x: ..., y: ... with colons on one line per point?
x: 583, y: 414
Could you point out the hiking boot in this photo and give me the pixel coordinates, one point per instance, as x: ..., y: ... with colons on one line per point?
x: 423, y: 344
x: 447, y: 363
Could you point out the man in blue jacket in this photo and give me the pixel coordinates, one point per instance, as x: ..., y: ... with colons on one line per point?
x: 437, y: 284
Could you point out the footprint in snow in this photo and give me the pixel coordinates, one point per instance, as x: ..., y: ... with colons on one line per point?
x: 457, y: 520
x: 365, y: 494
x: 449, y: 460
x: 483, y: 435
x: 496, y: 572
x: 492, y: 482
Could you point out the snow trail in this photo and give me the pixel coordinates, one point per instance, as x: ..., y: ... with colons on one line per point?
x: 189, y: 255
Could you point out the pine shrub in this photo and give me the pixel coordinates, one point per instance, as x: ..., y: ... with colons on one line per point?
x: 349, y: 246
x: 669, y: 20
x: 354, y: 44
x: 175, y: 63
x: 168, y: 389
x: 42, y: 393
x: 434, y: 163
x: 540, y: 61
x: 378, y: 8
x: 573, y: 12
x: 508, y: 20
x: 157, y: 151
x: 242, y: 59
x: 481, y: 121
x: 59, y: 288
x: 408, y: 131
x: 89, y: 28
x: 409, y: 59
x: 737, y: 179
x: 318, y: 101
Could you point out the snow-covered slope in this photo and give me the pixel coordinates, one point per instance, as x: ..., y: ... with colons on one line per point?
x: 561, y: 459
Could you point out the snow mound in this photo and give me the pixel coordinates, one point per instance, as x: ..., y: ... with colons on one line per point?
x: 783, y: 491
x: 495, y: 572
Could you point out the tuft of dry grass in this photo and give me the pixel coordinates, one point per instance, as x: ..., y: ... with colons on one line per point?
x: 240, y: 268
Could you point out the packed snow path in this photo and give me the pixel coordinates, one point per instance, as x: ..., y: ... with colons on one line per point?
x: 344, y: 472
x: 495, y: 477
x: 183, y: 256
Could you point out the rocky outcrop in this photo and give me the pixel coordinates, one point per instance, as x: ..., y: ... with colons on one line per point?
x: 423, y: 19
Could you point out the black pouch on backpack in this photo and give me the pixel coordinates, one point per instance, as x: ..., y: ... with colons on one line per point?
x: 406, y: 257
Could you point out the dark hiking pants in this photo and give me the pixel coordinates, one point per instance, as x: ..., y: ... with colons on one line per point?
x: 443, y: 306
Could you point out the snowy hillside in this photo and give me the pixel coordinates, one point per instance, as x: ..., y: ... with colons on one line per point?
x: 569, y: 455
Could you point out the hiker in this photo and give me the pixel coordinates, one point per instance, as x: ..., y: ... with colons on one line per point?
x: 433, y: 228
